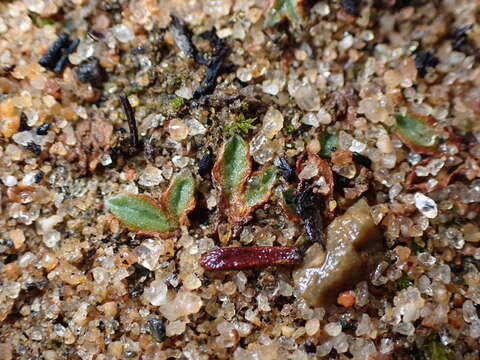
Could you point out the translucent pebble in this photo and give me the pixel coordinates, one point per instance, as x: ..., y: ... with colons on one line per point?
x: 312, y: 326
x: 151, y: 176
x: 325, y: 348
x: 195, y: 127
x: 426, y: 259
x: 156, y: 293
x: 100, y: 275
x: 395, y: 190
x: 425, y: 205
x: 435, y: 165
x: 9, y: 180
x: 321, y: 8
x: 51, y: 238
x: 35, y: 6
x: 123, y: 33
x: 244, y: 74
x: 414, y: 158
x: 469, y: 311
x: 310, y: 119
x: 307, y: 98
x: 23, y: 138
x: 357, y: 146
x: 386, y: 345
x: 407, y: 329
x: 324, y: 117
x: 272, y: 122
x: 260, y: 148
x: 475, y: 329
x: 455, y: 237
x: 180, y: 161
x: 364, y: 326
x: 421, y: 171
x: 333, y: 328
x: 148, y: 253
x: 185, y: 92
x: 308, y: 172
x: 176, y: 327
x: 178, y: 129
x: 105, y: 159
x: 346, y: 42
x: 442, y: 273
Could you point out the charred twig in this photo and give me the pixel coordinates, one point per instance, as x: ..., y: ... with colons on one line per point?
x: 132, y: 124
x: 54, y: 52
x: 208, y: 83
x: 309, y: 207
x: 24, y: 122
x: 60, y: 65
x: 183, y: 38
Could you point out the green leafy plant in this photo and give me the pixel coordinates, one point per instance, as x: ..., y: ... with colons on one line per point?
x: 290, y: 9
x: 419, y: 133
x: 404, y: 282
x: 143, y: 214
x: 240, y: 125
x: 241, y: 191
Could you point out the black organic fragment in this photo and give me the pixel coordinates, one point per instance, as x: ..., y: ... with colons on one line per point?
x: 208, y: 84
x: 205, y: 164
x: 54, y: 52
x: 24, y: 122
x: 39, y: 176
x: 43, y: 129
x: 460, y: 37
x: 309, y: 207
x: 34, y: 148
x: 157, y: 329
x: 90, y: 71
x: 286, y: 170
x: 183, y: 38
x: 424, y: 60
x: 60, y: 65
x: 132, y: 124
x: 361, y: 159
x: 351, y: 6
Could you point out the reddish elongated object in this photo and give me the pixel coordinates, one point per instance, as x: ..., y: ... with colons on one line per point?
x: 245, y: 257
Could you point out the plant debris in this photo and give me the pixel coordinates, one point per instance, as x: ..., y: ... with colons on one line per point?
x: 247, y: 257
x: 132, y: 123
x: 425, y: 60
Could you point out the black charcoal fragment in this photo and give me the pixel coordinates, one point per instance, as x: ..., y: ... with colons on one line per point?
x: 132, y: 123
x: 361, y: 159
x: 208, y: 83
x: 24, y: 122
x: 34, y: 148
x: 90, y: 71
x: 309, y: 206
x: 50, y: 58
x: 183, y: 38
x: 157, y: 329
x: 351, y: 6
x: 43, y: 129
x: 460, y: 37
x: 206, y: 163
x: 60, y: 65
x: 425, y: 60
x: 287, y: 172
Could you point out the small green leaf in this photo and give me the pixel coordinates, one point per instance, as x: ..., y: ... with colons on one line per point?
x: 139, y: 212
x: 416, y: 131
x: 292, y: 9
x: 290, y: 129
x: 179, y: 196
x: 289, y: 199
x: 259, y: 186
x: 328, y: 144
x: 234, y: 165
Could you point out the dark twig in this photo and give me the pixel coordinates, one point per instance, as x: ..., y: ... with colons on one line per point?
x: 60, y: 65
x: 132, y: 124
x: 310, y: 207
x: 54, y: 52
